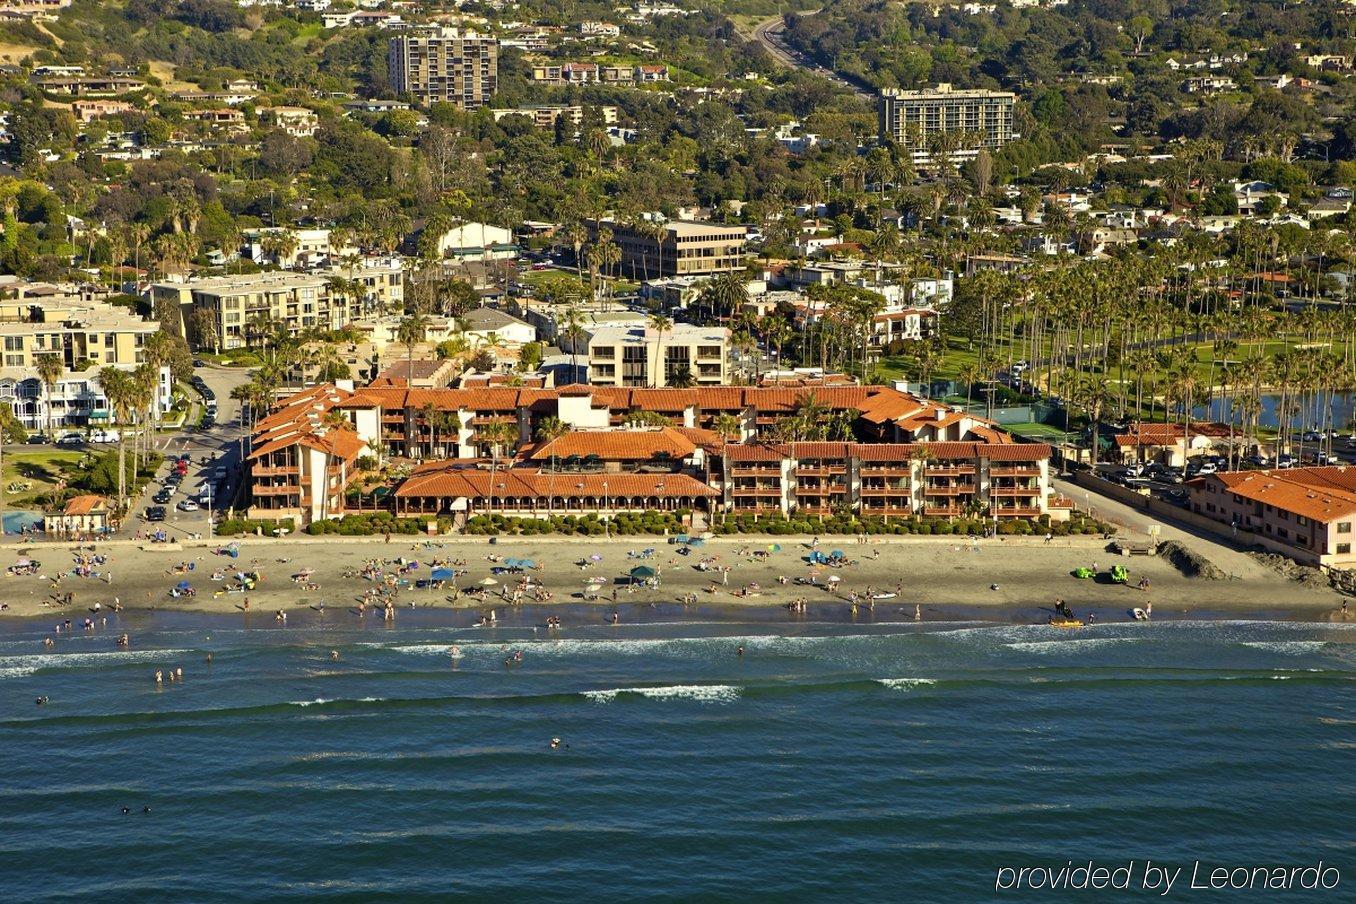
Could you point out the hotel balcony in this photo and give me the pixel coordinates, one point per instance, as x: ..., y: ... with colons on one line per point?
x: 1015, y: 471
x: 282, y: 489
x: 876, y: 488
x: 890, y: 470
x: 821, y: 470
x: 274, y: 471
x: 957, y: 489
x: 949, y: 470
x: 821, y: 488
x: 875, y: 507
x: 756, y: 491
x: 944, y: 510
x: 738, y: 470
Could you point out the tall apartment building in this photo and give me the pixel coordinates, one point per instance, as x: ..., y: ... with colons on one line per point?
x: 678, y: 248
x: 447, y: 66
x: 914, y: 118
x: 236, y: 306
x: 642, y: 356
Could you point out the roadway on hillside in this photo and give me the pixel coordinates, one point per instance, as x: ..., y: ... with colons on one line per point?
x: 769, y: 34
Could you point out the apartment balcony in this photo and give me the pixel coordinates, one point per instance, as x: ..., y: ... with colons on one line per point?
x: 282, y: 489
x: 275, y: 471
x: 821, y: 470
x: 902, y: 488
x: 1023, y: 471
x: 949, y: 470
x: 755, y: 471
x: 756, y: 491
x: 1008, y: 511
x: 1014, y: 491
x: 877, y: 508
x: 944, y: 510
x: 958, y: 489
x: 757, y: 509
x: 886, y: 471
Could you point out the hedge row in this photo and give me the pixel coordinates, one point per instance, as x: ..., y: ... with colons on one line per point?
x: 233, y: 526
x: 370, y: 523
x: 650, y: 522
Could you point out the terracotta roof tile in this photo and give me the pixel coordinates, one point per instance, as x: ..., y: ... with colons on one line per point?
x: 618, y: 445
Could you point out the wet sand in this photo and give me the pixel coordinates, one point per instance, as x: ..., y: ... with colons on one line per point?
x: 923, y: 571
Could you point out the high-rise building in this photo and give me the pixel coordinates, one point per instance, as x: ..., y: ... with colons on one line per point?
x: 445, y: 66
x: 978, y: 118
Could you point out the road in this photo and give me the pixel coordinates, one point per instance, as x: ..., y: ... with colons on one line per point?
x: 221, y: 447
x: 769, y: 34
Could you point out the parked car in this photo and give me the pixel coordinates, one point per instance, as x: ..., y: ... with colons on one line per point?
x: 70, y: 439
x: 199, y: 362
x: 155, y: 513
x: 163, y: 496
x: 104, y: 436
x: 187, y: 505
x: 37, y: 439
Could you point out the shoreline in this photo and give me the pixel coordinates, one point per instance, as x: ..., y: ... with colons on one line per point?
x: 998, y: 578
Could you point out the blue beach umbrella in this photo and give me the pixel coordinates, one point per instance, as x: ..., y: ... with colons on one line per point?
x: 526, y: 563
x: 182, y: 585
x: 442, y: 574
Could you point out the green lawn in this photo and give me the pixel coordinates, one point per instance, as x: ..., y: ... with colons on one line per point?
x: 1043, y: 432
x: 39, y: 471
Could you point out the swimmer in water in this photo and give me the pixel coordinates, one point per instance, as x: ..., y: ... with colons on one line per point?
x: 555, y: 743
x: 740, y: 650
x: 40, y: 701
x: 334, y: 654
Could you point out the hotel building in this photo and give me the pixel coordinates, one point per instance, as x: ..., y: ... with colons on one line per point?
x: 913, y: 119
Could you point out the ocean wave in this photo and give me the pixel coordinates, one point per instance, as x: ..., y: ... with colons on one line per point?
x: 700, y: 693
x: 18, y: 666
x: 1043, y: 647
x: 1287, y: 647
x: 905, y: 684
x: 323, y: 701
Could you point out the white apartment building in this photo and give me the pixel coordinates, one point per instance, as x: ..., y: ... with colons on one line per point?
x: 639, y: 355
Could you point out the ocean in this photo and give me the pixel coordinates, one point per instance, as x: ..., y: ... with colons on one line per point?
x: 831, y: 761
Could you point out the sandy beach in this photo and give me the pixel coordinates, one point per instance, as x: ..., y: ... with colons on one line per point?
x: 302, y: 572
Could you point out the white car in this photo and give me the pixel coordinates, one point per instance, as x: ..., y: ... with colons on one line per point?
x: 187, y: 505
x: 70, y: 439
x: 104, y: 436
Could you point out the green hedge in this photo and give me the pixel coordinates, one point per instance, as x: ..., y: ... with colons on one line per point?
x: 233, y: 526
x: 370, y: 523
x: 650, y: 522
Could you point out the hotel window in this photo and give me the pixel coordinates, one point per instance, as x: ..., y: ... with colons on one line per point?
x: 14, y: 343
x: 1344, y: 527
x: 1343, y: 549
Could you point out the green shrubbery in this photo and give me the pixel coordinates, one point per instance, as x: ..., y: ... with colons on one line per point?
x: 369, y: 523
x: 231, y: 527
x: 650, y: 522
x: 845, y: 524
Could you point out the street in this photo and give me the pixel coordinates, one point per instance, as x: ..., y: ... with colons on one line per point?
x: 220, y: 446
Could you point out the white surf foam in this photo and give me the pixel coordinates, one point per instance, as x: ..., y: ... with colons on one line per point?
x: 701, y: 693
x: 905, y: 684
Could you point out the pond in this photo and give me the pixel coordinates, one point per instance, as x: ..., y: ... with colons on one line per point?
x: 1343, y: 411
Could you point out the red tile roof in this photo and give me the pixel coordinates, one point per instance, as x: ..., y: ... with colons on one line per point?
x: 1323, y: 494
x: 456, y: 480
x: 618, y: 445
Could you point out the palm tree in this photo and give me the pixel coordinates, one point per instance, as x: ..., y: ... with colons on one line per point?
x: 548, y: 431
x: 410, y: 333
x: 728, y: 426
x: 50, y: 367
x: 729, y: 291
x: 573, y: 330
x: 499, y: 434
x: 576, y: 234
x: 661, y: 325
x: 118, y: 387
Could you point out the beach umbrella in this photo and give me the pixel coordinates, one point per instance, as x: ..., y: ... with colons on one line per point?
x: 526, y: 563
x: 696, y: 541
x: 774, y: 547
x: 681, y: 538
x: 642, y: 573
x: 595, y: 558
x: 442, y: 574
x: 837, y: 554
x: 487, y: 582
x: 182, y: 585
x: 834, y: 579
x: 511, y: 563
